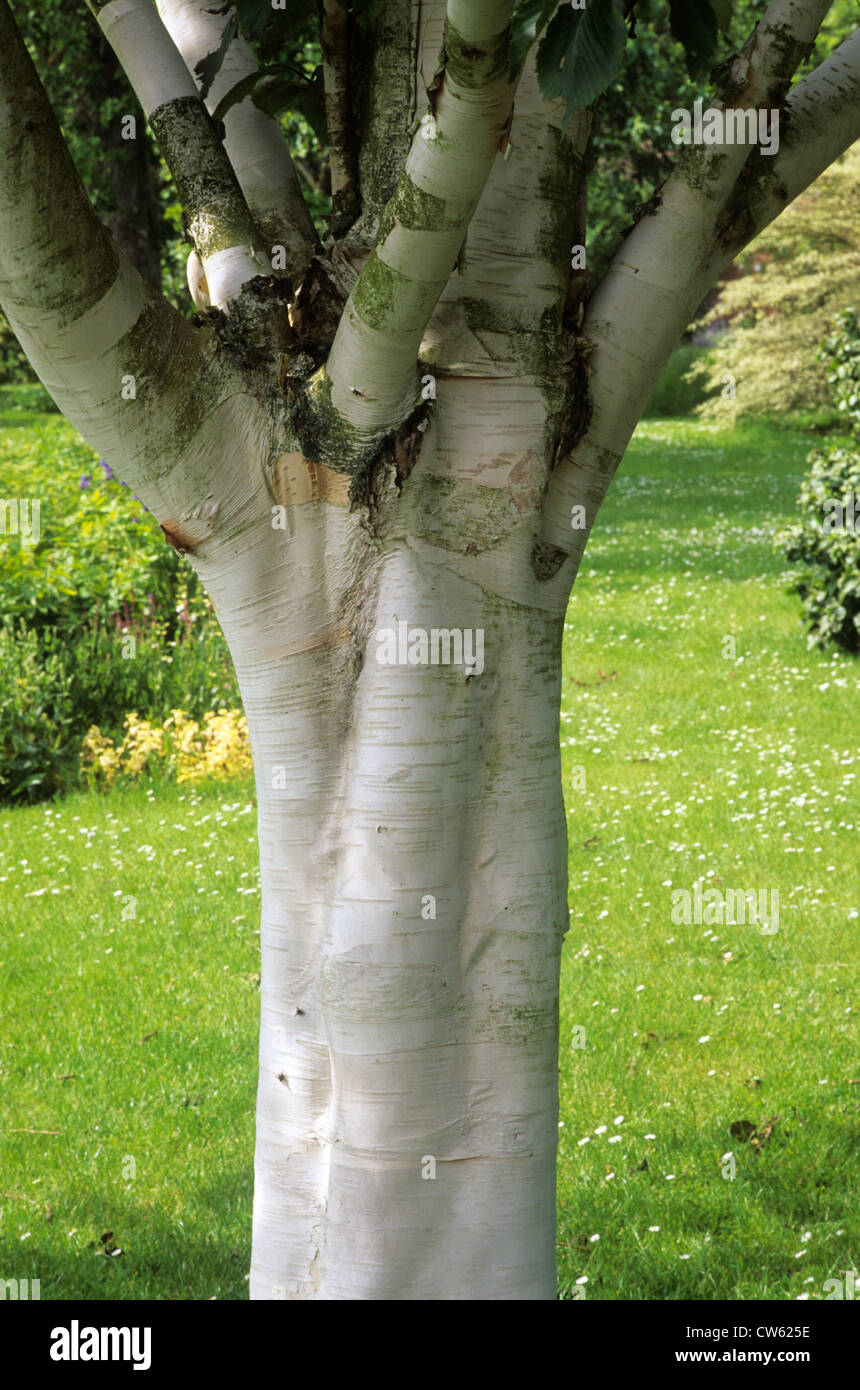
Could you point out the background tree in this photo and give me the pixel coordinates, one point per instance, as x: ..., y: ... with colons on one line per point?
x: 631, y: 154
x: 90, y: 94
x: 796, y: 277
x: 406, y: 432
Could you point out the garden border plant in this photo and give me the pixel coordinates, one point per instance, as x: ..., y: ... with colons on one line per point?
x: 827, y: 540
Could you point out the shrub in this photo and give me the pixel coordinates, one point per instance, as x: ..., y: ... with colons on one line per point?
x: 23, y: 398
x: 841, y: 352
x: 676, y: 393
x: 825, y: 540
x: 116, y: 609
x: 97, y: 546
x: 38, y: 744
x: 129, y: 661
x: 14, y: 366
x: 98, y: 677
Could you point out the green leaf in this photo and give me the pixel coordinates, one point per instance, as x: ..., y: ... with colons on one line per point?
x: 278, y: 88
x: 694, y: 24
x: 236, y: 93
x: 255, y: 19
x: 581, y: 53
x: 254, y: 15
x: 529, y: 19
x: 277, y: 92
x: 723, y: 10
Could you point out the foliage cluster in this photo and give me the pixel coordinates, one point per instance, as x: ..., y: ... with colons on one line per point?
x: 98, y: 617
x: 826, y: 540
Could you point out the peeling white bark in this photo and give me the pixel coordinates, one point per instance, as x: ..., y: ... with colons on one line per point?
x: 154, y: 68
x: 371, y: 366
x: 391, y: 1042
x: 511, y: 267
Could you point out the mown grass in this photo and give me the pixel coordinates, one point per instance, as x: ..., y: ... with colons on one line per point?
x: 130, y: 1001
x: 128, y: 954
x: 741, y: 769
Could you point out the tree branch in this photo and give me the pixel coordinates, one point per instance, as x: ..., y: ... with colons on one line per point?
x: 370, y: 383
x: 822, y: 122
x: 219, y: 219
x: 122, y: 365
x: 668, y: 262
x: 509, y: 285
x: 254, y: 142
x: 342, y: 162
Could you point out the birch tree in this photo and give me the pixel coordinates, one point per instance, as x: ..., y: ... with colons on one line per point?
x: 383, y: 455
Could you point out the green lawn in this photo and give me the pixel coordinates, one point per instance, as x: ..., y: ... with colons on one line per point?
x: 743, y: 771
x: 132, y: 1039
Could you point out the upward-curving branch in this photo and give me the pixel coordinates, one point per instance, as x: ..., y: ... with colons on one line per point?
x: 254, y: 141
x: 370, y: 383
x: 697, y: 224
x: 86, y: 319
x: 229, y: 245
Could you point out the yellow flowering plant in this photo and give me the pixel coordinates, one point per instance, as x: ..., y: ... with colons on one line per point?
x: 182, y: 748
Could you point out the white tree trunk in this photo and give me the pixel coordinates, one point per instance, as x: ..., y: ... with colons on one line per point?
x: 413, y: 866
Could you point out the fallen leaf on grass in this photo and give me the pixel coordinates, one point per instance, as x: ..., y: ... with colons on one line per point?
x: 755, y: 1135
x: 742, y: 1129
x: 764, y: 1132
x: 603, y: 677
x: 106, y: 1248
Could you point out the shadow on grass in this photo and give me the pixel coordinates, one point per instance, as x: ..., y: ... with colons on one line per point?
x: 201, y: 1255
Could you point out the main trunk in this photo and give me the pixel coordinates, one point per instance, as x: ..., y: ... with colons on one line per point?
x: 413, y: 865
